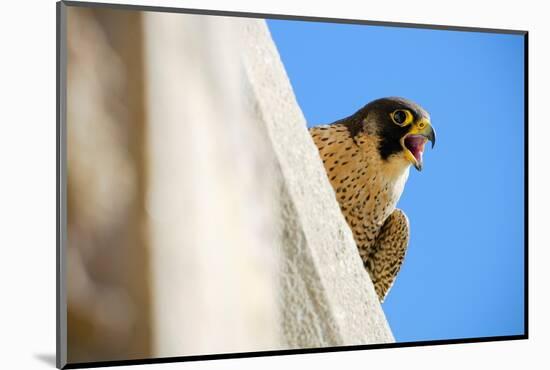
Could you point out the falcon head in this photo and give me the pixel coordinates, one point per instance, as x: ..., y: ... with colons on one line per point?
x: 401, y: 126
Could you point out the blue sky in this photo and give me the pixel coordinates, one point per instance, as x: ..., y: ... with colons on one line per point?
x: 463, y: 274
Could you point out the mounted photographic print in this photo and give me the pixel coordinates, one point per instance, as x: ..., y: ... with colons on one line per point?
x: 236, y: 184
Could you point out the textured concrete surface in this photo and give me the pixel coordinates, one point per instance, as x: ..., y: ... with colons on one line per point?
x: 254, y: 242
x: 200, y: 218
x: 327, y: 297
x: 203, y: 201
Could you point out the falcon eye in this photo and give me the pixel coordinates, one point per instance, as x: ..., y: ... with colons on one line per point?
x: 401, y: 117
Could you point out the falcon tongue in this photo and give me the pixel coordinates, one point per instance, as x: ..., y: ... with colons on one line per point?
x: 415, y: 144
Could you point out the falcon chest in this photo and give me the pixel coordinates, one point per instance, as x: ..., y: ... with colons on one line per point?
x: 367, y: 187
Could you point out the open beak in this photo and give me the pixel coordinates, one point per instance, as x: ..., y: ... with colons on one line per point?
x: 413, y: 143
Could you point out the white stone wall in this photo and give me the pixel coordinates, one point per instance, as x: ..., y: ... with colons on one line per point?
x: 249, y: 249
x: 210, y: 204
x: 199, y: 216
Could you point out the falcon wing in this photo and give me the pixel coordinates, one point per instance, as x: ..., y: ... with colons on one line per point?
x: 384, y: 262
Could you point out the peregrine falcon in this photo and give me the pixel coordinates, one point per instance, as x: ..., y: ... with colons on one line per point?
x: 367, y: 158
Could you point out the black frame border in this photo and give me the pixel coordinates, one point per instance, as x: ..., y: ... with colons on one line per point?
x: 61, y: 309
